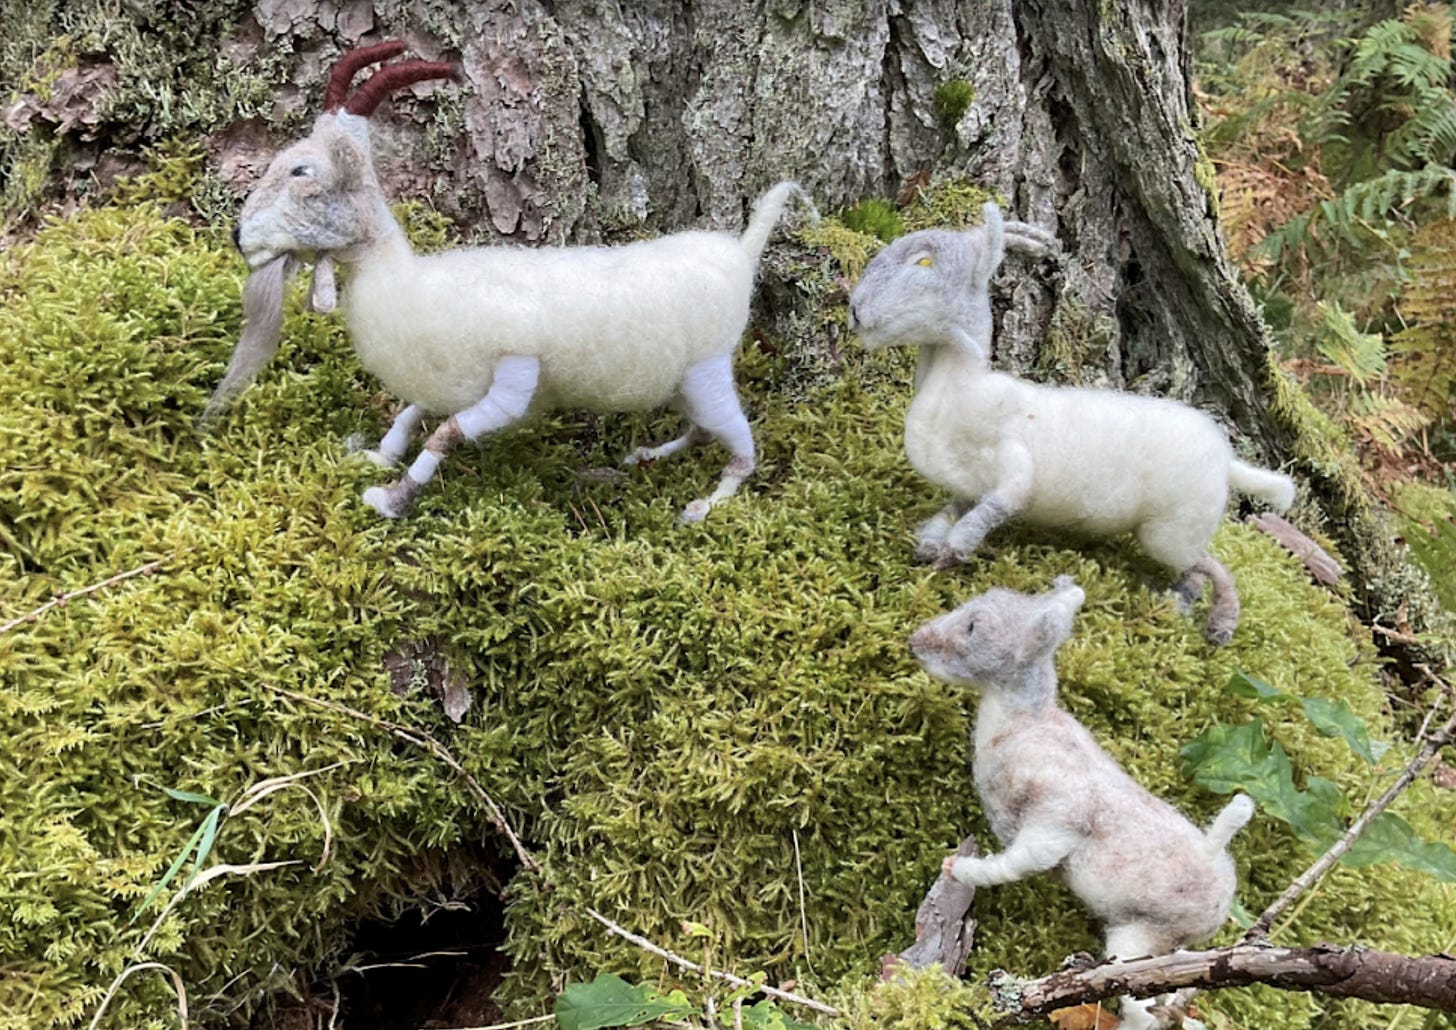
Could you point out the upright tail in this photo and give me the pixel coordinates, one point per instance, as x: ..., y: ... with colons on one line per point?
x: 1229, y: 822
x: 1274, y: 487
x: 766, y: 212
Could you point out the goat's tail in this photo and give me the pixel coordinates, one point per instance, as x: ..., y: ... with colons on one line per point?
x: 766, y: 212
x: 1274, y: 487
x: 1228, y: 822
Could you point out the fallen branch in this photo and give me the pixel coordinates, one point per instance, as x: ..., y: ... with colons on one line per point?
x: 1424, y: 757
x: 60, y: 600
x: 1320, y: 564
x: 1379, y: 976
x: 425, y: 742
x: 945, y: 931
x: 717, y: 974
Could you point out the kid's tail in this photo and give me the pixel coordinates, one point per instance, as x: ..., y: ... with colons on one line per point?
x: 1274, y: 487
x: 766, y: 212
x: 1229, y: 822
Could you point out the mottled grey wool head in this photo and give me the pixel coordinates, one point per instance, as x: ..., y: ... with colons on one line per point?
x: 931, y: 287
x: 992, y: 640
x: 318, y: 199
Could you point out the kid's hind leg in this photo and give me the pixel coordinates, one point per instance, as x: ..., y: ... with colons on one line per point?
x: 396, y: 441
x: 1179, y: 547
x: 710, y: 401
x: 1132, y: 941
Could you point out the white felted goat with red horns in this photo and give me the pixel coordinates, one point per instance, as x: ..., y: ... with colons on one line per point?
x: 484, y: 335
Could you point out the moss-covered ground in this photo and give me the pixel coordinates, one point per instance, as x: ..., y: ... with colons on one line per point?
x: 664, y: 712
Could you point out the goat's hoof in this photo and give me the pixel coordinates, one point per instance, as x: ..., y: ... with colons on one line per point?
x: 948, y: 558
x: 382, y: 500
x: 641, y: 456
x: 697, y: 511
x: 1218, y: 636
x: 381, y: 459
x: 927, y: 553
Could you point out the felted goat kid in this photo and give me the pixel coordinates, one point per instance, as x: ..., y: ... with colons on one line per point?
x: 485, y: 334
x: 1058, y: 803
x: 1095, y: 461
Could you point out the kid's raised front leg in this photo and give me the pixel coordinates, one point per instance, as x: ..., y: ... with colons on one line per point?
x: 1010, y: 495
x: 511, y: 390
x: 1035, y: 850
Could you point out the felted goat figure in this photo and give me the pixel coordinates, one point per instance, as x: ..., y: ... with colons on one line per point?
x: 485, y: 334
x: 1098, y: 462
x: 1058, y: 803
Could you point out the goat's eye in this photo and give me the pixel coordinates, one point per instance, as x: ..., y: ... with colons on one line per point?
x: 299, y: 170
x: 970, y: 627
x: 926, y: 262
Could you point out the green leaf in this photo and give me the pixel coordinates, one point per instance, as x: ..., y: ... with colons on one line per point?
x: 767, y: 1016
x: 1330, y: 718
x: 1389, y: 838
x: 187, y: 795
x: 611, y: 1001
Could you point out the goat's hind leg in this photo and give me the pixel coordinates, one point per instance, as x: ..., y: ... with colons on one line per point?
x: 509, y: 397
x: 395, y: 442
x: 1223, y: 608
x: 646, y: 455
x: 1131, y: 941
x: 711, y: 403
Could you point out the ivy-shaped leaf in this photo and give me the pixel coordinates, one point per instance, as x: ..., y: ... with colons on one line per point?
x: 1390, y: 838
x: 767, y: 1016
x: 611, y: 1001
x: 1331, y: 718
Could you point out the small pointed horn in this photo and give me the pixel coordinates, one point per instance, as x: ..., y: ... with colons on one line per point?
x: 348, y: 66
x: 395, y: 76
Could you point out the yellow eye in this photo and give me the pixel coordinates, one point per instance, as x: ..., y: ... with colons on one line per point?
x: 926, y: 262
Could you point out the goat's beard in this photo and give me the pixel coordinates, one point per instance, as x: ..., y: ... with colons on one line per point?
x: 262, y: 329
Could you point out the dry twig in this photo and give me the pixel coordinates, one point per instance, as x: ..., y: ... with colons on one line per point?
x: 717, y: 974
x: 60, y: 600
x: 1424, y: 757
x: 1378, y: 976
x: 425, y: 742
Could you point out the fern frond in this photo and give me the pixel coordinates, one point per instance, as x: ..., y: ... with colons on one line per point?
x: 1386, y: 421
x: 1360, y: 355
x: 1423, y: 361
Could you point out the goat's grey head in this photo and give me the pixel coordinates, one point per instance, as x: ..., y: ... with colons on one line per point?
x: 991, y: 640
x: 931, y: 287
x: 319, y: 197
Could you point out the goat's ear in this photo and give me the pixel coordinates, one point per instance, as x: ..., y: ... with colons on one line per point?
x: 993, y: 245
x: 349, y: 158
x: 1049, y: 627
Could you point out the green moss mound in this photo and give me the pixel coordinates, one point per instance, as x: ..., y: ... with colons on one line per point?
x: 665, y: 713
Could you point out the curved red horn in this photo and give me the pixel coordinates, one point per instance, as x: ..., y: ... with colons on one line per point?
x: 348, y: 66
x: 396, y: 76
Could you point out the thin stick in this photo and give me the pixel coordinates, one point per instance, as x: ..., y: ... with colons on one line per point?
x: 422, y: 740
x: 737, y: 981
x: 1424, y: 757
x: 505, y: 1026
x: 61, y: 599
x: 803, y: 911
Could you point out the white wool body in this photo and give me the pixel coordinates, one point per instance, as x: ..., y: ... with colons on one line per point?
x: 1090, y: 460
x: 1058, y: 803
x: 485, y: 335
x: 614, y: 328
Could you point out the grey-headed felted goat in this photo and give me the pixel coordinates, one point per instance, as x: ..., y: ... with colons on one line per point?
x: 1058, y: 803
x: 484, y: 335
x: 1094, y: 461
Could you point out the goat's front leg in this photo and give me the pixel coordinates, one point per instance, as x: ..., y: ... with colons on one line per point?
x: 396, y: 441
x: 1035, y: 850
x: 930, y: 535
x: 1010, y: 495
x: 511, y: 390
